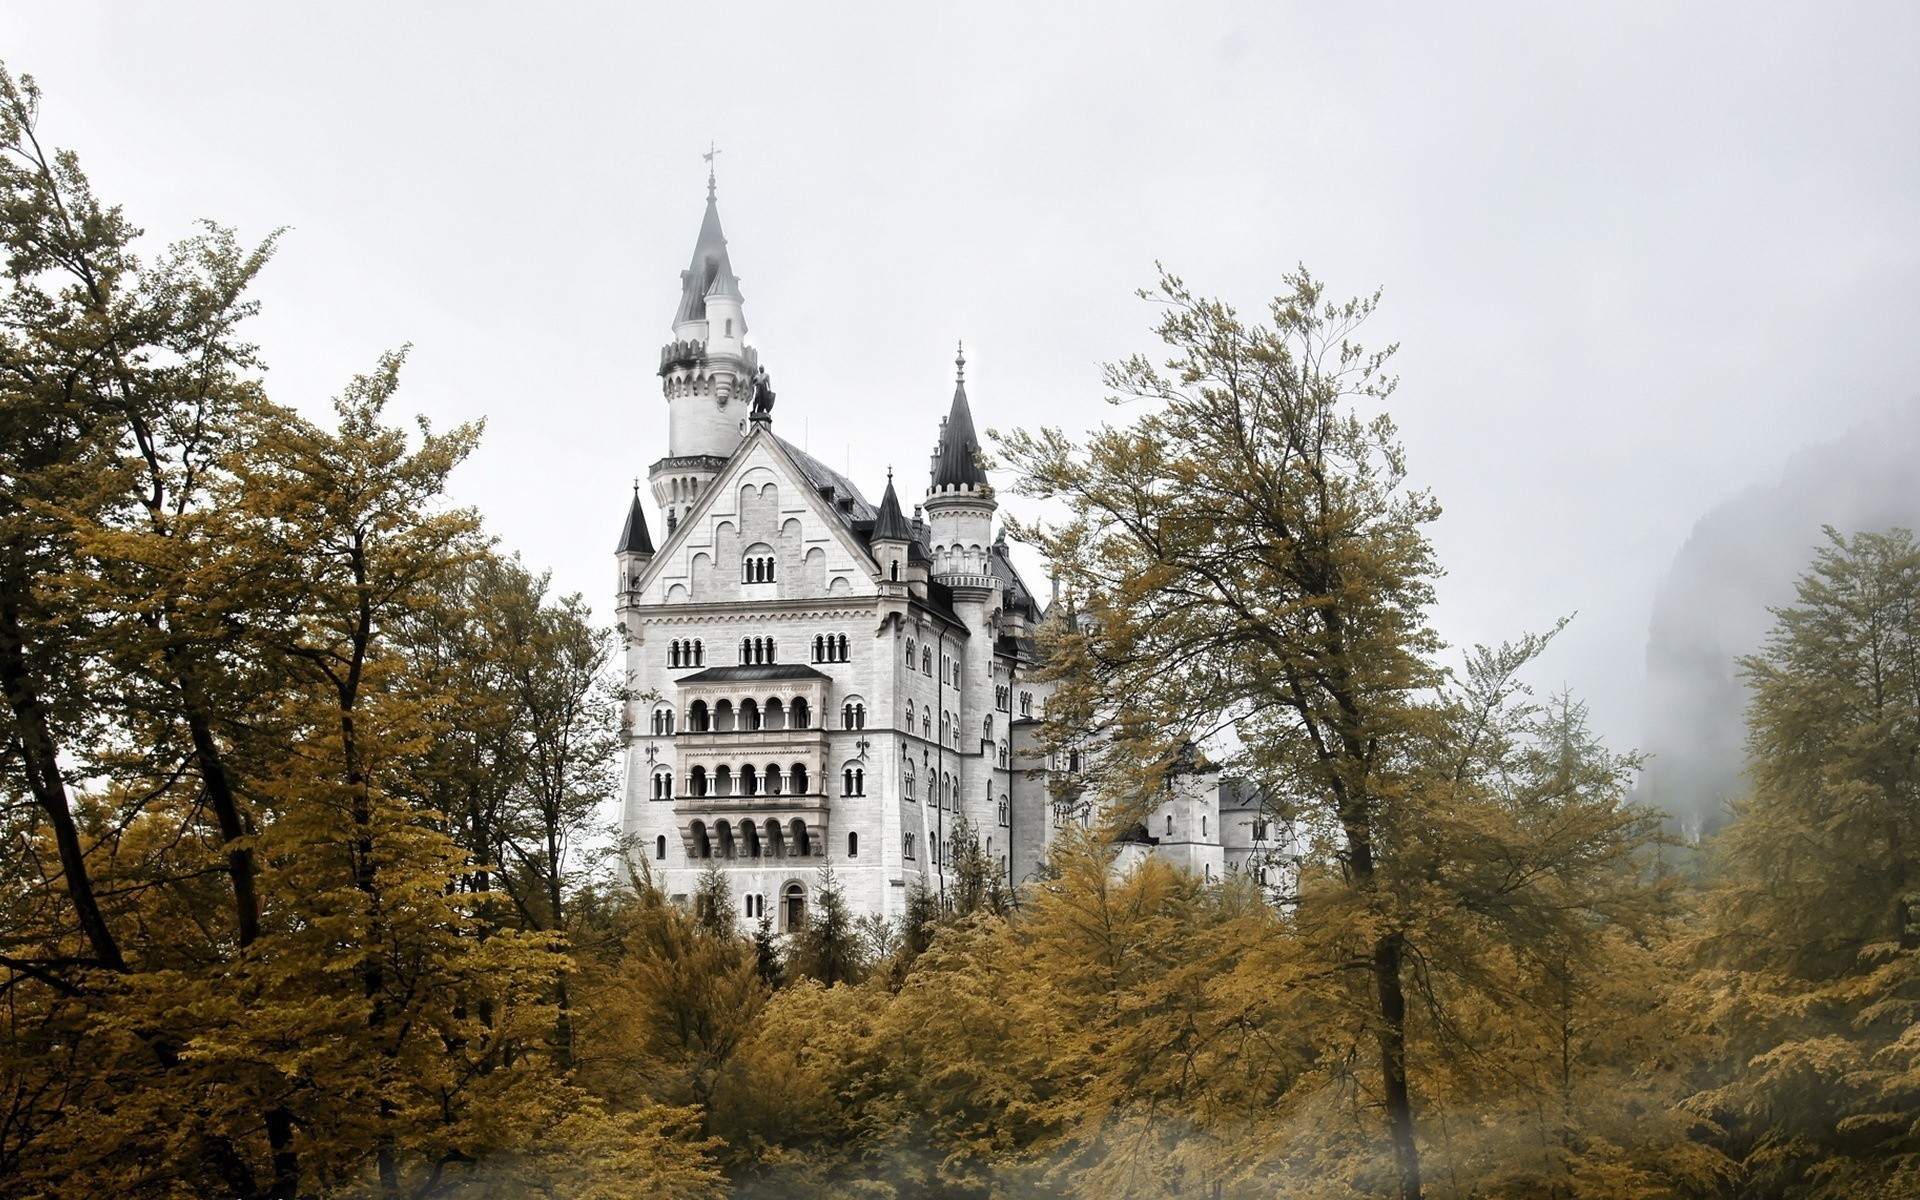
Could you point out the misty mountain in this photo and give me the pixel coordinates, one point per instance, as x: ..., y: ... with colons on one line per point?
x: 1740, y: 561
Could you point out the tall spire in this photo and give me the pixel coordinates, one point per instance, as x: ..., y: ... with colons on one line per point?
x: 710, y: 272
x: 956, y: 461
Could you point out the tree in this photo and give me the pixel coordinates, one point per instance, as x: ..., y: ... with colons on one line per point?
x: 829, y: 945
x: 1811, y: 947
x: 1244, y: 565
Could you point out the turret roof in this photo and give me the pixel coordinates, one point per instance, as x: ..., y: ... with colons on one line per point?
x: 956, y: 461
x: 710, y: 273
x: 635, y: 539
x: 890, y: 526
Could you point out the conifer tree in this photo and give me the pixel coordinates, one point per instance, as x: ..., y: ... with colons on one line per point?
x: 1811, y: 945
x: 828, y: 946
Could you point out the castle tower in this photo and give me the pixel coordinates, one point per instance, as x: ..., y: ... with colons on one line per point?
x: 960, y: 503
x: 705, y: 372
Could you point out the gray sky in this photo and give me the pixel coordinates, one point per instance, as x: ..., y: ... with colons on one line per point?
x: 1636, y: 254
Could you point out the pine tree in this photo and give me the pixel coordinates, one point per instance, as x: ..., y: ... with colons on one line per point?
x: 828, y: 947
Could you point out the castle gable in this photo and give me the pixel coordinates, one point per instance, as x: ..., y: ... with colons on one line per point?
x: 764, y: 530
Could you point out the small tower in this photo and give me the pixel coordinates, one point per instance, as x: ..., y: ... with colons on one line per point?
x: 705, y: 371
x: 960, y: 503
x: 635, y: 552
x: 891, y: 542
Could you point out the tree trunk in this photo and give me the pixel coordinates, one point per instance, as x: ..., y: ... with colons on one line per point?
x: 49, y: 787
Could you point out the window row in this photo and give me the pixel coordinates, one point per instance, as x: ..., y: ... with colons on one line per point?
x: 748, y: 781
x: 756, y: 568
x: 751, y: 715
x: 662, y: 722
x: 686, y: 652
x: 830, y: 647
x: 756, y: 651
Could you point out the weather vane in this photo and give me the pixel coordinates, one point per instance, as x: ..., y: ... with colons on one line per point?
x: 707, y: 158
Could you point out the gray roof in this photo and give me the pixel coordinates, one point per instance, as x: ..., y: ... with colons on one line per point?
x: 710, y: 273
x: 1000, y: 565
x: 956, y: 461
x: 635, y: 539
x: 764, y: 671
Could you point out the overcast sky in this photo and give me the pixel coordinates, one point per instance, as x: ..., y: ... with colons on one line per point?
x: 1635, y: 254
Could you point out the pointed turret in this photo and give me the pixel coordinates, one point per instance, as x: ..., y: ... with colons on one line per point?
x: 956, y: 460
x: 960, y: 503
x: 635, y: 550
x: 892, y: 544
x: 711, y: 272
x: 706, y: 371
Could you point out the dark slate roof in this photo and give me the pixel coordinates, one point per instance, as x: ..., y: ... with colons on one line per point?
x: 820, y: 476
x: 634, y: 539
x: 889, y: 525
x: 956, y: 462
x: 765, y: 671
x: 710, y: 273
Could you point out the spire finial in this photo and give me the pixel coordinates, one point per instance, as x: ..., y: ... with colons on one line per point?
x: 889, y: 474
x: 712, y: 150
x: 636, y: 485
x: 960, y: 363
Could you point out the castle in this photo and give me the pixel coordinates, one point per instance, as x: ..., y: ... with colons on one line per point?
x: 818, y: 679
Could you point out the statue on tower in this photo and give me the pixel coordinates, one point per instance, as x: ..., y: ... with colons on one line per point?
x: 762, y: 395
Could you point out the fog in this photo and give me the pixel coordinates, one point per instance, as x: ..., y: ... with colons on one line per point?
x: 1740, y: 561
x: 1636, y: 255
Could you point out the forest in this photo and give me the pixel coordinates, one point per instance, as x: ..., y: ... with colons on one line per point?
x: 303, y: 890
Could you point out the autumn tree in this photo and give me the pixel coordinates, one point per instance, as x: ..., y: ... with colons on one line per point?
x: 1244, y: 564
x: 1811, y: 945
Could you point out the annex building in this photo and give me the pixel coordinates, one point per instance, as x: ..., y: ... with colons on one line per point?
x: 822, y: 679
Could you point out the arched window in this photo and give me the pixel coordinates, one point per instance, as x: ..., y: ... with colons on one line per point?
x: 746, y: 651
x: 933, y: 848
x: 702, y: 848
x: 723, y: 781
x: 770, y: 779
x: 909, y: 654
x: 673, y: 653
x: 844, y: 656
x: 660, y: 846
x: 723, y: 717
x: 853, y: 714
x: 819, y: 648
x: 793, y: 907
x: 697, y: 719
x: 662, y: 785
x: 774, y: 715
x: 986, y: 730
x: 697, y: 782
x: 1169, y: 824
x: 750, y: 838
x: 776, y: 844
x: 757, y: 566
x: 799, y: 838
x: 926, y: 661
x: 894, y: 568
x: 910, y: 728
x: 749, y: 715
x: 853, y: 845
x: 699, y: 653
x: 1003, y: 754
x: 926, y: 719
x: 1203, y: 827
x: 1005, y: 812
x: 1073, y: 760
x: 749, y: 781
x: 908, y: 782
x: 797, y: 713
x: 797, y: 778
x: 853, y: 781
x: 906, y: 845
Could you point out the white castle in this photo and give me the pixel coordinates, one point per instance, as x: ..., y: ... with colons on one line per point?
x: 819, y: 680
